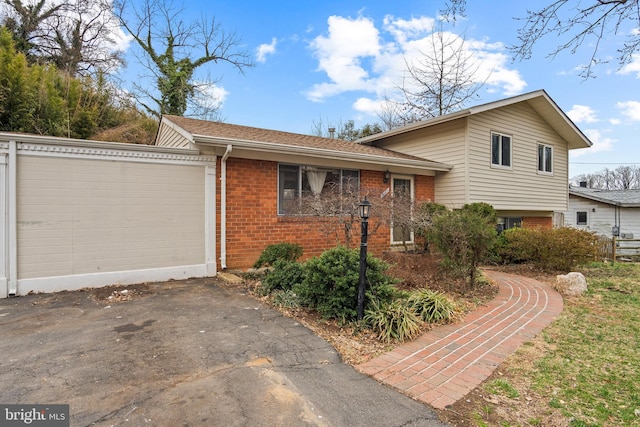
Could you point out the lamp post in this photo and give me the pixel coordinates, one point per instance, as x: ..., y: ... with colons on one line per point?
x: 363, y: 209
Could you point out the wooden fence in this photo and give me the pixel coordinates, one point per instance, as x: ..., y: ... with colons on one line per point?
x: 617, y: 249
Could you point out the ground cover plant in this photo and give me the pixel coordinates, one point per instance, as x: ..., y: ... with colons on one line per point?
x: 583, y: 370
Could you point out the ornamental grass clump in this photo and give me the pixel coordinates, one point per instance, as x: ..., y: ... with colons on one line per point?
x: 395, y: 320
x: 432, y: 306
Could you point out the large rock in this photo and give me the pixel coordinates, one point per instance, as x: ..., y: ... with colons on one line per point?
x: 571, y: 284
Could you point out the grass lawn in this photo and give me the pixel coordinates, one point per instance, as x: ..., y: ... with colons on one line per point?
x: 585, y: 367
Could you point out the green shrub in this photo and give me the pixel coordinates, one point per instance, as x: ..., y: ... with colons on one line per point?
x: 284, y: 251
x: 393, y: 320
x: 550, y: 249
x: 331, y: 283
x: 283, y: 275
x: 432, y: 306
x: 465, y: 238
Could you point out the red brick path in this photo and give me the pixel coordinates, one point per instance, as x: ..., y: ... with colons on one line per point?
x: 445, y: 364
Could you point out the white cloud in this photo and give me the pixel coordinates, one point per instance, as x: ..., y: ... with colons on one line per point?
x: 582, y: 114
x: 402, y: 30
x: 357, y: 56
x: 368, y: 106
x: 266, y: 49
x: 210, y: 95
x: 340, y: 53
x: 632, y: 67
x: 600, y: 143
x: 615, y: 121
x: 631, y: 109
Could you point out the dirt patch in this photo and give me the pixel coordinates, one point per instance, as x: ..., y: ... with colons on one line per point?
x: 120, y: 293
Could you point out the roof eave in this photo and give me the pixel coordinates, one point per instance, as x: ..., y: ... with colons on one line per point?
x: 604, y: 200
x: 320, y: 153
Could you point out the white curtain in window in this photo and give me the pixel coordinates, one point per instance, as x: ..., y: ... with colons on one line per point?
x: 316, y: 180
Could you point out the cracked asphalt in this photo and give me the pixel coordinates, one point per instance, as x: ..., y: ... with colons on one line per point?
x: 190, y: 353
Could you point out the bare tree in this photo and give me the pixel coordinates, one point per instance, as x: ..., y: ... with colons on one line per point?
x: 574, y: 24
x: 26, y: 23
x: 346, y: 131
x: 623, y: 177
x: 78, y: 36
x: 173, y: 51
x: 442, y: 80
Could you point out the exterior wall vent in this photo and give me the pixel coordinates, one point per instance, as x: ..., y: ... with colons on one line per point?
x: 626, y: 235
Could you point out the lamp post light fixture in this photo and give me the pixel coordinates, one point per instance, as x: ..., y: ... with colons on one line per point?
x: 364, y: 209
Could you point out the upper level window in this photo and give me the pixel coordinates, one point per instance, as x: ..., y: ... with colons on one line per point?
x: 500, y: 150
x: 300, y: 187
x: 545, y: 158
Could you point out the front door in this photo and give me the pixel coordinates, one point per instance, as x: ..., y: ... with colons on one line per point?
x: 402, y: 210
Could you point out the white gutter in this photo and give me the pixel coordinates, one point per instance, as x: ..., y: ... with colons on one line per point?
x: 223, y: 207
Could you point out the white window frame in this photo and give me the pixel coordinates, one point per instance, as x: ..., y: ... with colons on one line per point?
x: 500, y: 164
x: 413, y: 195
x: 544, y: 147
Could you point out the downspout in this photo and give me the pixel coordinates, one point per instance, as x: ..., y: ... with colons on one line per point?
x: 223, y: 207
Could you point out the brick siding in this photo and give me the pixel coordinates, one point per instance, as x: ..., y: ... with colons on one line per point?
x: 253, y: 221
x: 537, y: 221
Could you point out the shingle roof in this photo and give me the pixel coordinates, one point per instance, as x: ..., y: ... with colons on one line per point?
x: 623, y: 198
x: 246, y: 133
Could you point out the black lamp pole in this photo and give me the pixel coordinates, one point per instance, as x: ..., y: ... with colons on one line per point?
x: 363, y: 209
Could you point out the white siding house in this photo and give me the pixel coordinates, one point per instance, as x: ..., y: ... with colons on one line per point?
x: 606, y: 212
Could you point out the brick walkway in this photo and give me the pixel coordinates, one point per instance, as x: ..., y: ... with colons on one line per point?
x: 446, y: 363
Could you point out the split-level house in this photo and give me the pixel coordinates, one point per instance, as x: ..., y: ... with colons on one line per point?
x: 211, y: 196
x: 512, y: 154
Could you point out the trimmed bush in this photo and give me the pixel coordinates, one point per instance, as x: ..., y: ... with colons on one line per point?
x: 394, y: 320
x: 550, y: 249
x: 331, y: 283
x: 283, y: 275
x: 432, y: 306
x: 279, y: 251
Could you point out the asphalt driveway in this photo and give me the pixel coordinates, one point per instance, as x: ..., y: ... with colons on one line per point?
x: 189, y: 353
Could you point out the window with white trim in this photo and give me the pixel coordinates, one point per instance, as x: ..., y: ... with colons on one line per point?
x: 500, y: 150
x: 545, y: 158
x: 297, y: 182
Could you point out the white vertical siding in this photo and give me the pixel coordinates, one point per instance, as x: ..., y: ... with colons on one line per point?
x: 79, y: 216
x: 521, y: 187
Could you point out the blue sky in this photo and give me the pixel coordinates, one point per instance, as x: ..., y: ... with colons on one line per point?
x: 332, y: 61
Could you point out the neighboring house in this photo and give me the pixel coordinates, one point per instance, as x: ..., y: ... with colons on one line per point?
x: 211, y: 196
x: 606, y: 212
